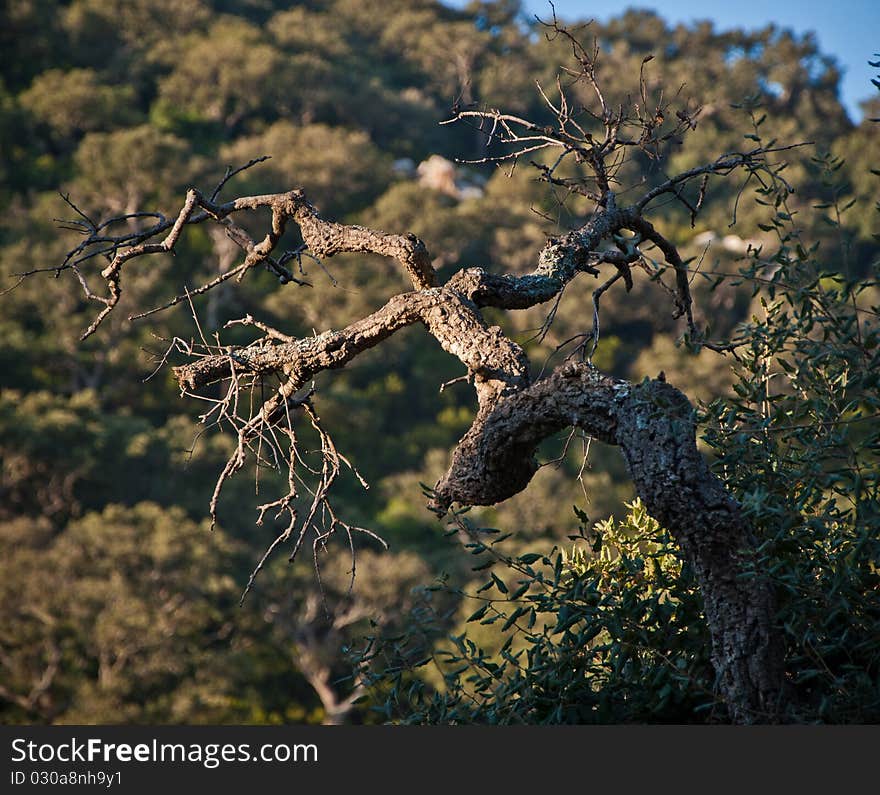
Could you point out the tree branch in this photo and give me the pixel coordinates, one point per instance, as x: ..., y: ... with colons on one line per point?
x: 324, y: 238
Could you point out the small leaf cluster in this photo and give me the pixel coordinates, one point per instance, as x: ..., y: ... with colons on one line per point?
x: 608, y: 630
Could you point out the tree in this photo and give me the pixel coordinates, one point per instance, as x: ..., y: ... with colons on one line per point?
x: 315, y: 621
x: 95, y: 645
x: 222, y: 78
x: 608, y: 629
x: 583, y: 146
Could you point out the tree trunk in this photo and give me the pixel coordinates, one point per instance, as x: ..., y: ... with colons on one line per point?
x: 653, y: 424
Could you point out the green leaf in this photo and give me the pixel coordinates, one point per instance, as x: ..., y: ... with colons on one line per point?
x: 511, y: 619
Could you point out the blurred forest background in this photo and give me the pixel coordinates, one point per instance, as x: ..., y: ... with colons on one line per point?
x: 118, y: 604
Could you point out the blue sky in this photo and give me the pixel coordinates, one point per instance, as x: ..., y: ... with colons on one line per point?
x: 847, y: 29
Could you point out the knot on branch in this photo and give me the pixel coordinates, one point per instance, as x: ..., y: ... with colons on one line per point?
x: 561, y: 260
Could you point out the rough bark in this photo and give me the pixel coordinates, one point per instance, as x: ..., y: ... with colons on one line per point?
x: 498, y: 365
x: 653, y: 424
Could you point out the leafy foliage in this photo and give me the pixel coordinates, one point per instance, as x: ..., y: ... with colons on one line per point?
x: 799, y: 441
x: 606, y: 631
